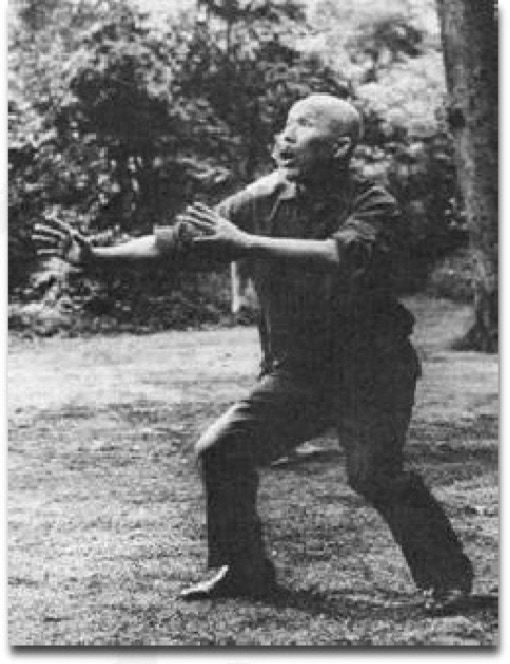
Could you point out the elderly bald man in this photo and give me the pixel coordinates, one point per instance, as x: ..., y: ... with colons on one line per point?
x: 320, y: 242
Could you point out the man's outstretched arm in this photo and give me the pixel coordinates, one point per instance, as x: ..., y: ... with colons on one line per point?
x: 54, y: 238
x: 214, y: 238
x: 221, y: 239
x: 314, y: 255
x: 140, y: 249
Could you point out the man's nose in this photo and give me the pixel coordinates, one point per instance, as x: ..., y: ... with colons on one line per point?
x: 288, y: 135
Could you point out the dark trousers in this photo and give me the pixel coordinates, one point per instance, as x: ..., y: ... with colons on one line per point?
x: 370, y: 401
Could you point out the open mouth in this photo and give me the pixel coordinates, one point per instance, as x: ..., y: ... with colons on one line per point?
x: 285, y: 158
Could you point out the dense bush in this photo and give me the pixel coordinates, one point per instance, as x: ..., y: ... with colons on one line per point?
x: 419, y: 172
x: 115, y: 123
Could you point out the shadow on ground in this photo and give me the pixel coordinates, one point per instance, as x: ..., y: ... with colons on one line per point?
x: 346, y: 604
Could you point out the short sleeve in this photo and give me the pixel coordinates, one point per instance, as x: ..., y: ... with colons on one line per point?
x: 238, y: 209
x: 365, y: 239
x: 174, y: 241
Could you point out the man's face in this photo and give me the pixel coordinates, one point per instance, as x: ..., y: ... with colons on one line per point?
x: 306, y: 144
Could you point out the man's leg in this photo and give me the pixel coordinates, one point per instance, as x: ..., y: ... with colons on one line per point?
x: 278, y: 414
x: 373, y: 426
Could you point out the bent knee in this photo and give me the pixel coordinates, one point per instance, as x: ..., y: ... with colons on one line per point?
x: 224, y: 445
x: 374, y: 482
x: 387, y: 485
x: 214, y: 436
x: 207, y: 442
x: 364, y: 483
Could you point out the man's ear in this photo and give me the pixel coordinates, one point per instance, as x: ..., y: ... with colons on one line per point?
x: 342, y: 147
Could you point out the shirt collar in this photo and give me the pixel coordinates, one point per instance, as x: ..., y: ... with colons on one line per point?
x: 289, y: 190
x: 336, y: 188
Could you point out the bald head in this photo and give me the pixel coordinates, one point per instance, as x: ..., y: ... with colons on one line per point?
x: 340, y: 115
x: 319, y: 136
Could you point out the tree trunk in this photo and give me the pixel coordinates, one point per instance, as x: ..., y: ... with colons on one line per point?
x: 470, y: 47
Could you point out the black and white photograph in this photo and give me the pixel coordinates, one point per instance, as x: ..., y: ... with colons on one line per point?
x: 252, y: 349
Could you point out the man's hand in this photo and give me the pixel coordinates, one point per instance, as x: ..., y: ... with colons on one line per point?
x: 56, y: 239
x: 225, y: 239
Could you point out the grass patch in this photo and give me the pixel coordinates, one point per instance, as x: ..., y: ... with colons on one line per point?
x: 105, y: 507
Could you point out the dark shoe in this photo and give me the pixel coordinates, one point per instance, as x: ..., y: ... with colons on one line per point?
x: 447, y: 602
x: 453, y: 596
x: 228, y: 582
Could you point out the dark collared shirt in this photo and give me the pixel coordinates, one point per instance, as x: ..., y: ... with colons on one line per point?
x: 312, y: 318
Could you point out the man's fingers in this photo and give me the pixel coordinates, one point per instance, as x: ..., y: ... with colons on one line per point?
x: 44, y: 229
x: 57, y: 225
x: 204, y: 239
x: 197, y: 223
x: 48, y: 239
x: 190, y: 216
x: 46, y: 242
x: 50, y: 253
x: 202, y: 212
x: 202, y: 207
x: 193, y: 214
x: 188, y: 219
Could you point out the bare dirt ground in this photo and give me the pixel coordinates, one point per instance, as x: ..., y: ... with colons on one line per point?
x: 105, y: 514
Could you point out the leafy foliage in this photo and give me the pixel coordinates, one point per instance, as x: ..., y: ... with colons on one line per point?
x: 243, y: 60
x: 116, y: 122
x: 130, y: 121
x: 390, y: 53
